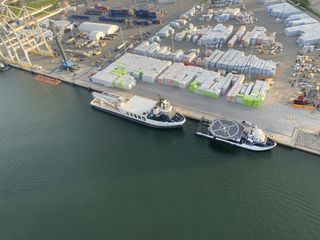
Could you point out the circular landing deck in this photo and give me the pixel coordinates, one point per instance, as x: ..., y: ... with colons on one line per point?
x: 227, y: 129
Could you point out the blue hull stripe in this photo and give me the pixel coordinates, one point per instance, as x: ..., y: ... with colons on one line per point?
x: 134, y: 120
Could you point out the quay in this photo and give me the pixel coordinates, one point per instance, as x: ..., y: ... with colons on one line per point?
x: 288, y: 126
x: 298, y: 138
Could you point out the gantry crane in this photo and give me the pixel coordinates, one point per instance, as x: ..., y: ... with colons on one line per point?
x: 21, y: 35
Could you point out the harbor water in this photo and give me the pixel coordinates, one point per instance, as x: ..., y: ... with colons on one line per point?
x: 70, y: 172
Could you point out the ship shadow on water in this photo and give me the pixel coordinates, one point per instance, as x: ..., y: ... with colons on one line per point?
x: 224, y: 148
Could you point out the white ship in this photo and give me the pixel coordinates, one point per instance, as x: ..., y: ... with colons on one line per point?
x: 138, y: 109
x: 244, y: 135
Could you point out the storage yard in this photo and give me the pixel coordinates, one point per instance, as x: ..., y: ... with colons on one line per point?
x: 234, y: 63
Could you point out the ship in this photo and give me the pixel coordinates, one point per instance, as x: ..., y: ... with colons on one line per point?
x: 4, y: 67
x: 244, y: 135
x: 157, y: 114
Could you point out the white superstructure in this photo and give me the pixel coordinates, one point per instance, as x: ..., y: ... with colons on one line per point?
x: 142, y: 110
x: 244, y: 135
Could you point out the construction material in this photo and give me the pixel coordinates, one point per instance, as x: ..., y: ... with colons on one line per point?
x: 250, y: 94
x: 224, y: 3
x: 179, y: 75
x: 298, y: 24
x: 211, y: 84
x: 226, y: 14
x: 309, y: 33
x: 258, y: 36
x: 188, y: 14
x: 215, y: 36
x: 282, y: 10
x: 236, y: 61
x: 166, y: 31
x: 240, y: 33
x: 166, y: 1
x: 124, y: 72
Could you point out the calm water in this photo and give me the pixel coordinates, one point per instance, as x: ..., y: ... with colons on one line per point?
x: 69, y: 172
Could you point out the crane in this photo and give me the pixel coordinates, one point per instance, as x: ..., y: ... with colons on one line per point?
x: 21, y: 35
x: 57, y: 36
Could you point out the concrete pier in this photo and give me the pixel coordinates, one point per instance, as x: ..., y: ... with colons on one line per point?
x: 297, y: 138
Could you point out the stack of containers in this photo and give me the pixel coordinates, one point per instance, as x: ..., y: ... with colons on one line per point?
x: 188, y: 14
x: 211, y: 84
x: 175, y: 24
x: 115, y: 76
x: 147, y: 13
x: 141, y: 49
x: 240, y: 33
x: 232, y: 94
x: 250, y: 38
x: 223, y: 3
x: 250, y: 94
x: 166, y: 31
x: 188, y: 58
x: 206, y: 17
x: 298, y: 16
x: 180, y: 36
x: 309, y: 34
x: 179, y: 75
x: 297, y: 22
x: 234, y: 60
x: 119, y: 73
x: 121, y: 12
x: 232, y: 41
x: 226, y: 14
x: 163, y: 53
x: 255, y: 96
x: 203, y: 84
x: 282, y: 10
x: 182, y: 22
x: 245, y: 17
x: 217, y: 35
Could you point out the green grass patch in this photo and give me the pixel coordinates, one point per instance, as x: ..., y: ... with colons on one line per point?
x: 302, y: 3
x: 305, y: 4
x: 41, y: 3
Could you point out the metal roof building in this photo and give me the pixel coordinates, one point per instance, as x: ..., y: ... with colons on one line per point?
x: 100, y: 27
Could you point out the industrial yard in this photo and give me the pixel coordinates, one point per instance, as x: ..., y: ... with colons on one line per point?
x: 234, y: 61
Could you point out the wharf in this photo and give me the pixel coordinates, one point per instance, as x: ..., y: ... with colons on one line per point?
x: 298, y: 138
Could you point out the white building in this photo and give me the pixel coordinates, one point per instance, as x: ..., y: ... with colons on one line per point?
x: 100, y: 27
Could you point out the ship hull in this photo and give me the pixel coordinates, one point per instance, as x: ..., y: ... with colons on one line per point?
x: 240, y: 145
x: 153, y: 125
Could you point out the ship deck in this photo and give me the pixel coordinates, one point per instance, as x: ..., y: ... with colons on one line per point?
x: 138, y: 105
x: 226, y: 129
x: 203, y: 129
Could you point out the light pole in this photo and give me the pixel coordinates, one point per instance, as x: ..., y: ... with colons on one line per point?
x: 206, y: 52
x: 125, y: 47
x: 172, y: 42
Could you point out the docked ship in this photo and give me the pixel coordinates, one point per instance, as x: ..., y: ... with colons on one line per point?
x: 244, y: 135
x: 3, y: 67
x: 158, y: 114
